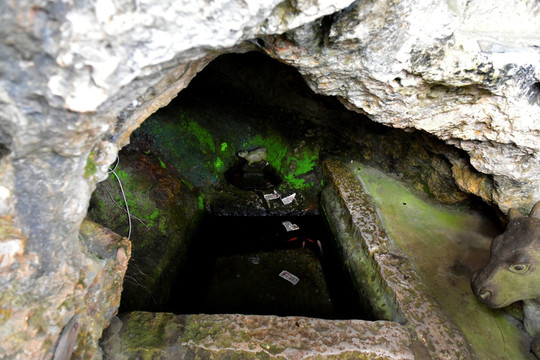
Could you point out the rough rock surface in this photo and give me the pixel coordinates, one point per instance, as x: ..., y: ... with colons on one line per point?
x: 166, y: 336
x: 89, y: 293
x: 466, y: 72
x: 101, y: 283
x: 163, y: 211
x: 78, y: 78
x: 246, y: 101
x: 417, y: 328
x: 382, y: 271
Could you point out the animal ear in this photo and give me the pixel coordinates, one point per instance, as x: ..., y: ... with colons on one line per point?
x: 535, y: 212
x: 514, y: 214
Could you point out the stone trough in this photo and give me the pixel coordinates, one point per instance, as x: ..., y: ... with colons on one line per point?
x: 412, y: 325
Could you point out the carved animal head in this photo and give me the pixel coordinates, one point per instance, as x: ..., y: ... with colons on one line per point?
x: 513, y: 270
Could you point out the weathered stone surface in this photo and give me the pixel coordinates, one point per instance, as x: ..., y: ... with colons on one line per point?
x: 446, y: 244
x: 101, y: 281
x: 248, y: 101
x: 417, y: 328
x: 166, y: 336
x: 382, y: 270
x: 133, y: 37
x: 78, y: 78
x: 32, y: 320
x: 164, y: 211
x: 457, y: 70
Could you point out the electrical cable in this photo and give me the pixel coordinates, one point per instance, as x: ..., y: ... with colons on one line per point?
x: 123, y: 194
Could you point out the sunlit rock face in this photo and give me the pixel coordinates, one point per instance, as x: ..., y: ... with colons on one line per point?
x: 78, y: 77
x: 466, y: 72
x: 76, y: 80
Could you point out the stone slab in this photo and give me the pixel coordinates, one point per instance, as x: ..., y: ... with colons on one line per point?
x: 402, y: 293
x: 168, y: 336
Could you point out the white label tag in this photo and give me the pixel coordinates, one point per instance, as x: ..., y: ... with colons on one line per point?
x: 289, y: 199
x: 290, y: 226
x: 289, y: 277
x: 273, y: 196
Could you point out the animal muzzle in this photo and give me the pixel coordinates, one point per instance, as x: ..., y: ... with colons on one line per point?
x: 481, y: 290
x: 485, y: 294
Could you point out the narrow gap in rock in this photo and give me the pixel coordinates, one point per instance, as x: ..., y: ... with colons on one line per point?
x: 534, y: 93
x: 259, y: 176
x: 3, y: 150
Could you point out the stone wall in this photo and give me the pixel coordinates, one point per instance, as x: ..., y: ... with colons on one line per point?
x: 78, y: 78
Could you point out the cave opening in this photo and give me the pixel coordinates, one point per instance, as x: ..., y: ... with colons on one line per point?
x: 180, y: 174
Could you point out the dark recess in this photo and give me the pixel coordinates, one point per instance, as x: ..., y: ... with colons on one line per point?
x: 222, y: 249
x: 3, y: 150
x: 534, y: 93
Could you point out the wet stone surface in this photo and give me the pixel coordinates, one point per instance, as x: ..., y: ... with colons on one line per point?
x: 235, y: 264
x: 251, y: 283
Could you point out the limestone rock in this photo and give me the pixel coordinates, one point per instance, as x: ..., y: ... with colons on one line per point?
x: 469, y: 77
x: 102, y: 280
x: 32, y: 320
x: 78, y: 78
x: 166, y: 336
x: 134, y: 37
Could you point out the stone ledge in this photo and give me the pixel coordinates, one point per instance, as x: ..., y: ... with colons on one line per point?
x: 401, y: 295
x: 415, y: 327
x: 169, y: 336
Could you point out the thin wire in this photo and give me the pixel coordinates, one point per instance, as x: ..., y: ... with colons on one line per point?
x: 116, y: 162
x: 123, y: 194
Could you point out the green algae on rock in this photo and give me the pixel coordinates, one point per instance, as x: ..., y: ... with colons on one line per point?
x: 405, y: 297
x: 446, y: 244
x: 90, y: 168
x: 233, y: 336
x: 164, y: 212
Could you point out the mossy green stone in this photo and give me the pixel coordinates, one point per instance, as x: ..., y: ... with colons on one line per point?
x: 91, y: 167
x: 432, y: 234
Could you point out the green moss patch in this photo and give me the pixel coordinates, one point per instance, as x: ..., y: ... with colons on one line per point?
x: 202, y: 151
x: 91, y: 167
x: 292, y: 165
x: 446, y: 244
x: 145, y: 330
x: 164, y: 211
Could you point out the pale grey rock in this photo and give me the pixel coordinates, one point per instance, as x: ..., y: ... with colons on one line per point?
x: 113, y: 42
x: 466, y: 72
x: 292, y: 14
x: 76, y: 80
x: 78, y: 77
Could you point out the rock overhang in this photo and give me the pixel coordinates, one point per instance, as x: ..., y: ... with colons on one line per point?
x: 65, y: 95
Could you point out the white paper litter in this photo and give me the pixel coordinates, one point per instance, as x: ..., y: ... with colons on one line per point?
x: 289, y: 199
x: 273, y: 196
x: 289, y: 277
x: 290, y: 226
